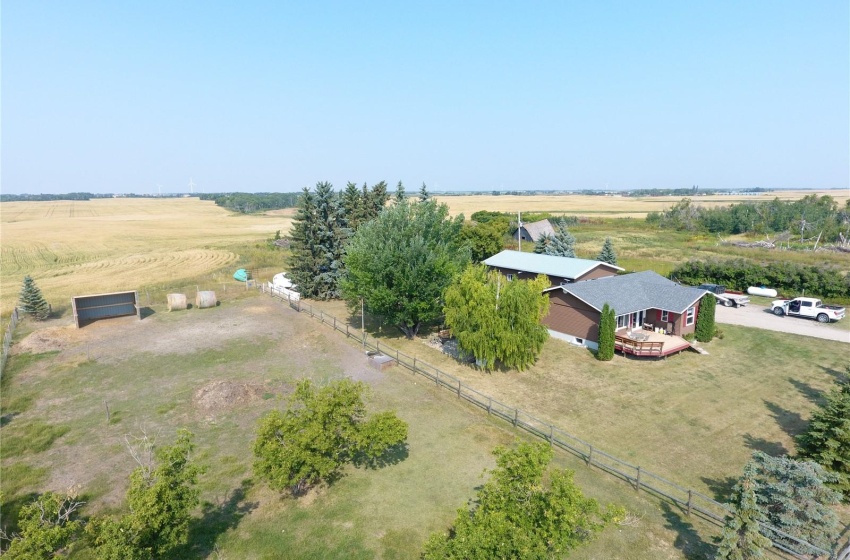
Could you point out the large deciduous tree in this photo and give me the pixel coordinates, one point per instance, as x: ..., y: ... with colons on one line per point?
x: 483, y: 240
x: 319, y: 233
x: 401, y: 262
x: 319, y: 432
x: 704, y: 329
x: 827, y: 437
x: 516, y: 515
x: 607, y: 326
x: 45, y: 526
x: 494, y: 319
x: 32, y: 302
x: 161, y: 498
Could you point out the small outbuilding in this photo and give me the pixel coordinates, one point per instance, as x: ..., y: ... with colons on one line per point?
x: 534, y: 230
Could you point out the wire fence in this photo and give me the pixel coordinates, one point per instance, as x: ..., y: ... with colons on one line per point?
x: 7, y: 339
x: 690, y: 501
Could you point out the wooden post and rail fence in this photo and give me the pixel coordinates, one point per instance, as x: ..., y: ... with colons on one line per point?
x: 7, y: 338
x: 690, y: 501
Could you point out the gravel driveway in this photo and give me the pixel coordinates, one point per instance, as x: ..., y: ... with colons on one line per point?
x: 761, y: 318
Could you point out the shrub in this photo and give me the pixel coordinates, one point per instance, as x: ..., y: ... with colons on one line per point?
x: 607, y: 324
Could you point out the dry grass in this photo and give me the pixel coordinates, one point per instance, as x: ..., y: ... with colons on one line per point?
x: 606, y: 206
x: 82, y: 247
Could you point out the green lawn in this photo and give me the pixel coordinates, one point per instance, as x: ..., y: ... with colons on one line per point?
x: 149, y: 374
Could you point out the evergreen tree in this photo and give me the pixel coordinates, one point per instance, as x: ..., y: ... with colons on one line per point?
x: 704, y: 329
x: 542, y: 243
x: 562, y: 244
x: 423, y: 193
x: 31, y: 300
x: 607, y: 326
x: 494, y: 319
x: 399, y: 193
x: 319, y: 234
x: 794, y: 497
x: 827, y: 437
x: 741, y: 538
x: 378, y: 197
x: 352, y: 202
x: 607, y: 253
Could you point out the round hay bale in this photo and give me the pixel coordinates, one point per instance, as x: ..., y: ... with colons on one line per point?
x: 176, y: 302
x: 205, y: 299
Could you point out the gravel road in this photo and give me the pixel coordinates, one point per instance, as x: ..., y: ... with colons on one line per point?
x: 761, y: 318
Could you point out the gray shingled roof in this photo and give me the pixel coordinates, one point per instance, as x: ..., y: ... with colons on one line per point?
x: 633, y: 292
x: 536, y: 229
x: 563, y: 267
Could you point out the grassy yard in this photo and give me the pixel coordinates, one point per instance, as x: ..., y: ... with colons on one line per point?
x: 694, y: 419
x: 216, y: 371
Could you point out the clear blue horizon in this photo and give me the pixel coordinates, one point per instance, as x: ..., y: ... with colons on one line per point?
x: 131, y: 97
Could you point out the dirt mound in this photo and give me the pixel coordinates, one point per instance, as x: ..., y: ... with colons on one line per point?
x: 48, y: 339
x: 224, y: 395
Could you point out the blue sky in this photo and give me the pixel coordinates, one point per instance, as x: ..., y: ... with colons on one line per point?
x: 118, y: 96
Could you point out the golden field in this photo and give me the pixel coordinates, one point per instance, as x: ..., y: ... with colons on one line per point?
x: 608, y: 206
x: 84, y: 247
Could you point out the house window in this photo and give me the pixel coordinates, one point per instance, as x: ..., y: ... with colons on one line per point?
x: 622, y: 321
x: 665, y: 316
x: 689, y: 316
x: 510, y: 277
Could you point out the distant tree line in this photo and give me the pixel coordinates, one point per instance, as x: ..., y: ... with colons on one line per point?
x: 248, y: 203
x: 47, y: 197
x: 807, y: 218
x: 786, y: 277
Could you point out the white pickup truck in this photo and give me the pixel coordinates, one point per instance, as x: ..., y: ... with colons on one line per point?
x: 807, y: 307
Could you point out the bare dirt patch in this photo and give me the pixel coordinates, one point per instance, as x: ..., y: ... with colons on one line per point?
x: 220, y: 396
x: 49, y: 339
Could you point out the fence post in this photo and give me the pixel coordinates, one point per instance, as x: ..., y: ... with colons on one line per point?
x: 414, y: 364
x: 377, y: 345
x: 590, y: 456
x: 489, y: 404
x: 346, y: 331
x: 334, y: 322
x: 321, y: 316
x: 437, y: 378
x: 690, y: 497
x: 638, y: 480
x: 458, y: 389
x: 396, y: 357
x: 516, y: 416
x: 551, y: 433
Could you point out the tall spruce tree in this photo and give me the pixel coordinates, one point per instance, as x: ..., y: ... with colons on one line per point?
x: 563, y: 243
x: 400, y: 196
x: 31, y: 300
x: 378, y: 197
x: 542, y: 243
x: 607, y: 326
x: 795, y: 498
x: 607, y: 253
x: 423, y: 193
x: 319, y: 233
x: 704, y: 329
x: 741, y: 538
x: 353, y: 204
x: 827, y: 437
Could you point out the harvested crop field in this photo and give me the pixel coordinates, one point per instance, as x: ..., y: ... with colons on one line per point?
x: 84, y: 247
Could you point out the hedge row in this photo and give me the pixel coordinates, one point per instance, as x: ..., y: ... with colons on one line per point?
x: 789, y: 279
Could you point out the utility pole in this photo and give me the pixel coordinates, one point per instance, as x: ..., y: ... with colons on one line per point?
x: 363, y: 324
x: 519, y: 230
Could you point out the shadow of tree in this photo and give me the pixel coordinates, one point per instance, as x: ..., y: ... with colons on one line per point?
x: 773, y: 448
x: 687, y: 539
x: 814, y: 395
x: 10, y: 511
x: 394, y: 455
x: 838, y: 375
x: 790, y: 422
x: 720, y: 488
x: 215, y: 520
x: 6, y: 418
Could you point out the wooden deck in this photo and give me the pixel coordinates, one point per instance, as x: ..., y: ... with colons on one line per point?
x: 649, y: 343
